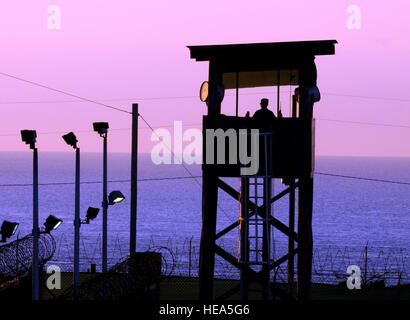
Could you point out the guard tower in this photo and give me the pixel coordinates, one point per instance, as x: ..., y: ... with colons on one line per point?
x: 285, y: 150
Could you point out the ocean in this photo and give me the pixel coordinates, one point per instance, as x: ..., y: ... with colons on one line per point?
x: 348, y: 214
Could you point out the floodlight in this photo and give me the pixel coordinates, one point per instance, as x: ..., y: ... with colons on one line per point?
x: 115, y: 197
x: 100, y: 127
x: 91, y: 214
x: 7, y: 230
x: 29, y: 137
x: 71, y: 139
x: 52, y: 223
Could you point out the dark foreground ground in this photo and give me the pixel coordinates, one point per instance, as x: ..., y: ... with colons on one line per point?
x: 184, y: 288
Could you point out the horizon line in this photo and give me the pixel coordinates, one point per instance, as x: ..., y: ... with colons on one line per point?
x: 148, y: 153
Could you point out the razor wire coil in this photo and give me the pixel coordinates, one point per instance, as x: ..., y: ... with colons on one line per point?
x: 16, y: 256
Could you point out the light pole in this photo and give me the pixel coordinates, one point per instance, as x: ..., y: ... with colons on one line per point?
x: 29, y: 137
x: 71, y: 140
x: 102, y: 129
x: 134, y: 177
x: 92, y: 213
x: 115, y: 196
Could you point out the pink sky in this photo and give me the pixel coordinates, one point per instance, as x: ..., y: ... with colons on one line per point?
x: 137, y: 50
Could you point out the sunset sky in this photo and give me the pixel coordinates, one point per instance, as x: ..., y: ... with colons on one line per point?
x: 120, y: 52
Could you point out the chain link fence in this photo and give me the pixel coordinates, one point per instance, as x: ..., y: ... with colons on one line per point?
x: 181, y: 259
x: 177, y: 270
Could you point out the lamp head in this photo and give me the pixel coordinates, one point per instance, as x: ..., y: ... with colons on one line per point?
x: 29, y: 137
x: 8, y: 229
x: 71, y: 139
x: 115, y: 197
x: 52, y: 223
x: 100, y: 127
x: 91, y: 214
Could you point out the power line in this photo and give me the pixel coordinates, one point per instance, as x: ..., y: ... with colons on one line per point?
x: 187, y: 170
x: 195, y: 177
x: 62, y: 92
x: 362, y: 178
x: 177, y: 97
x: 61, y: 132
x: 365, y: 123
x: 180, y: 97
x: 192, y: 176
x: 89, y: 131
x: 169, y: 148
x: 367, y: 97
x: 337, y: 95
x: 197, y: 124
x: 94, y: 182
x: 99, y: 100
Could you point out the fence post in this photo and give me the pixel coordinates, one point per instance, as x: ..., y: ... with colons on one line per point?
x: 189, y: 263
x: 365, y: 265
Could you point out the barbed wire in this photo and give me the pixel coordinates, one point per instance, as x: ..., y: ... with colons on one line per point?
x: 169, y: 260
x: 132, y: 277
x: 16, y: 256
x: 180, y: 258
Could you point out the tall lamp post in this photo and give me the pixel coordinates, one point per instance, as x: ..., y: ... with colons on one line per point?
x: 71, y: 140
x: 115, y: 196
x: 102, y: 129
x: 92, y: 213
x: 29, y: 137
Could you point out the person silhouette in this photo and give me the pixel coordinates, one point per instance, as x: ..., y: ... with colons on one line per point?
x: 264, y: 112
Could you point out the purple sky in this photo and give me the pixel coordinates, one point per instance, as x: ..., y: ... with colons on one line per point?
x: 136, y: 50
